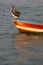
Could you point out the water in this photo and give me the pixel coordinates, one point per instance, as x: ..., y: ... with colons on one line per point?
x: 18, y: 48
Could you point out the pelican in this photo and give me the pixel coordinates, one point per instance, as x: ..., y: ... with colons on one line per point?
x: 14, y: 13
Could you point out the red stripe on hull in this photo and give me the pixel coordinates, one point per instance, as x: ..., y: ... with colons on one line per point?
x: 31, y: 25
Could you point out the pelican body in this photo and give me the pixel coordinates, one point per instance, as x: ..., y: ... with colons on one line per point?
x: 14, y: 13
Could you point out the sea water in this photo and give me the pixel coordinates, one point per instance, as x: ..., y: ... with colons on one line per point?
x: 20, y: 48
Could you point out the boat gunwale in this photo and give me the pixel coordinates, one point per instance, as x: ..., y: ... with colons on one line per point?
x: 28, y: 21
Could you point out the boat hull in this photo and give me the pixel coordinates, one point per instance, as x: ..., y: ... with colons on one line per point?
x: 27, y: 26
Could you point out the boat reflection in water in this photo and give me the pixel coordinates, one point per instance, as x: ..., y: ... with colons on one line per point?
x: 28, y: 48
x: 27, y: 39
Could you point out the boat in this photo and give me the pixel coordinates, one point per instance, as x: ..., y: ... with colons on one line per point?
x: 28, y: 25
